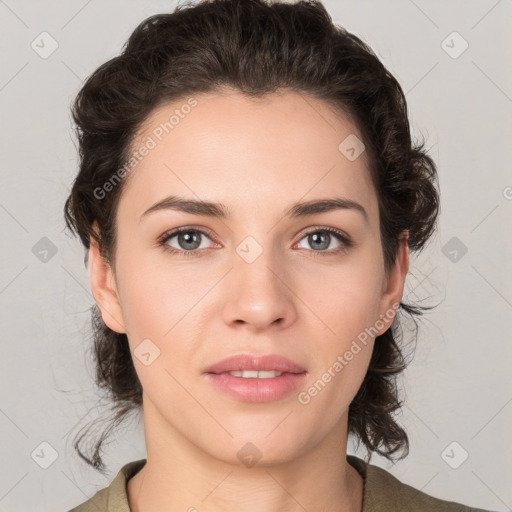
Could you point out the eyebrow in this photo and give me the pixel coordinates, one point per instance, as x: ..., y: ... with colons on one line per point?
x: 221, y: 211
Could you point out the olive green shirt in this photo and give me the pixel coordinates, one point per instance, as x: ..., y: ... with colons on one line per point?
x: 382, y: 493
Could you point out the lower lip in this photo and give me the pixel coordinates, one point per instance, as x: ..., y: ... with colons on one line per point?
x: 257, y: 390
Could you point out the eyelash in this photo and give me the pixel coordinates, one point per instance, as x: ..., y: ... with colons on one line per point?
x: 347, y: 243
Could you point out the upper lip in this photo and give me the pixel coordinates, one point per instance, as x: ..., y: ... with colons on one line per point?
x: 265, y: 362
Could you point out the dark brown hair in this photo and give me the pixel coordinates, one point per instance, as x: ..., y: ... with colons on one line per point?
x: 256, y: 47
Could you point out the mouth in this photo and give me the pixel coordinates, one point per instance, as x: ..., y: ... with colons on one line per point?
x: 250, y: 378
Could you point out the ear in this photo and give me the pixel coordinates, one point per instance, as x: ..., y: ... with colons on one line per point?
x: 104, y: 287
x: 393, y: 285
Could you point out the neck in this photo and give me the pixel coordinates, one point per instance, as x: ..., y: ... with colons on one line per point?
x: 178, y: 475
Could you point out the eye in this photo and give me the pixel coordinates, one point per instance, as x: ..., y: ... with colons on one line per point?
x: 322, y: 239
x: 187, y: 241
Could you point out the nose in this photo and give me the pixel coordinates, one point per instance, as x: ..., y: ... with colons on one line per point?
x: 259, y: 295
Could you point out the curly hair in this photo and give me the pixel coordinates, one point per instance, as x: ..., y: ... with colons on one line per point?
x: 256, y: 47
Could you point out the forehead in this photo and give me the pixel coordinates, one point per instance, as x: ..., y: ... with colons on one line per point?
x: 246, y: 152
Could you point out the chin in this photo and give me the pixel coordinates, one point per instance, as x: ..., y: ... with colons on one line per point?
x: 259, y: 449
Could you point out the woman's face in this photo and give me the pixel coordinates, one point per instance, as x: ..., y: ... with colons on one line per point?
x: 260, y: 280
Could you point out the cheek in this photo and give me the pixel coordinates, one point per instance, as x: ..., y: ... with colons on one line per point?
x: 161, y: 309
x: 156, y: 295
x: 347, y: 300
x: 348, y: 305
x: 345, y: 297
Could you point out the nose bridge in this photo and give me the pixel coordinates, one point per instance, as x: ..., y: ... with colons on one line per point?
x: 259, y: 294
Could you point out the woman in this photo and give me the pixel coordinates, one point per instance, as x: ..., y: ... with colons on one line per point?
x: 248, y: 195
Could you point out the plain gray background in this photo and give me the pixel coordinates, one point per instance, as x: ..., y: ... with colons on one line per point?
x: 458, y: 387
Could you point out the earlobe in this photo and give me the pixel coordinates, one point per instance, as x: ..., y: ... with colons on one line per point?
x: 395, y: 282
x: 104, y: 289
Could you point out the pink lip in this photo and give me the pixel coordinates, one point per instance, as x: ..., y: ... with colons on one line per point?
x: 254, y: 389
x: 260, y: 363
